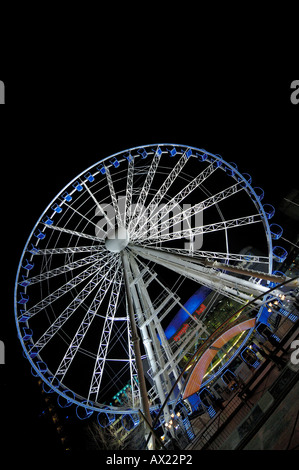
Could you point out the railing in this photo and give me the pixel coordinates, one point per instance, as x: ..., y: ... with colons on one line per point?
x: 218, y: 426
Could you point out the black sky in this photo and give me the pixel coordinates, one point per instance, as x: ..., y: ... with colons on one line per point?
x: 55, y: 132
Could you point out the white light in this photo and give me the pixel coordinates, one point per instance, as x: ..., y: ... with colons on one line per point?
x: 118, y: 240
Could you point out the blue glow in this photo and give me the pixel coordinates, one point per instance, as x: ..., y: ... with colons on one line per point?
x: 33, y: 250
x: 158, y: 152
x: 191, y: 305
x: 28, y: 265
x: 223, y: 375
x: 134, y: 421
x: 40, y: 235
x: 279, y: 253
x: 264, y: 315
x: 82, y: 412
x: 42, y: 366
x: 78, y: 186
x: 230, y: 171
x: 142, y: 152
x: 172, y: 152
x: 25, y: 282
x: 259, y: 192
x: 102, y: 169
x: 275, y: 337
x: 256, y: 362
x: 56, y: 208
x: 67, y: 196
x: 115, y: 162
x: 276, y: 231
x: 47, y: 388
x: 201, y: 157
x: 24, y: 298
x: 27, y: 333
x: 194, y: 401
x: 188, y: 429
x: 216, y: 162
x: 24, y: 316
x: 128, y: 156
x: 64, y: 402
x: 47, y: 221
x: 269, y: 211
x: 89, y: 177
x: 208, y: 407
x: 248, y: 179
x: 110, y: 418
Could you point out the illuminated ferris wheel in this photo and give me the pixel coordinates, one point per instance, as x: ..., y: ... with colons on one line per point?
x: 113, y: 275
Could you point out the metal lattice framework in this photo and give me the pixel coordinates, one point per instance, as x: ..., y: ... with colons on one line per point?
x: 125, y: 244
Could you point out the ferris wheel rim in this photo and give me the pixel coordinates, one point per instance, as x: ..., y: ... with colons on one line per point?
x: 117, y: 410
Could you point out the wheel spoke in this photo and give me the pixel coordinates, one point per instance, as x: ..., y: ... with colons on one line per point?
x: 81, y: 215
x: 105, y: 338
x: 189, y: 233
x: 99, y: 313
x: 65, y: 268
x: 229, y: 285
x: 145, y: 189
x: 176, y: 200
x: 184, y: 216
x: 214, y: 255
x: 68, y: 250
x: 99, y: 207
x: 113, y: 197
x: 74, y: 346
x: 68, y: 286
x: 74, y: 232
x: 72, y: 307
x: 166, y: 185
x: 129, y: 193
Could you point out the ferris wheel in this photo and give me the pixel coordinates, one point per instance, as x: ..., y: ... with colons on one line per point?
x: 115, y: 256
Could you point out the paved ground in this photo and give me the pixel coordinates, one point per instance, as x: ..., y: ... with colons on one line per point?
x: 279, y: 432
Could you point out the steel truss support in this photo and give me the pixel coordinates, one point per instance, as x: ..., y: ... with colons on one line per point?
x: 187, y: 233
x: 166, y: 185
x: 227, y: 284
x: 95, y: 283
x: 114, y: 278
x: 91, y: 270
x: 153, y: 316
x: 198, y: 180
x: 65, y: 268
x: 153, y: 322
x: 136, y: 398
x: 136, y: 341
x: 149, y: 338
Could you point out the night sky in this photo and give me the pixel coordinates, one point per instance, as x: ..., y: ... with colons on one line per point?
x: 57, y: 132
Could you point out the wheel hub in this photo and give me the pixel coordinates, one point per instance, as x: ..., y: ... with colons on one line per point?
x: 117, y: 240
